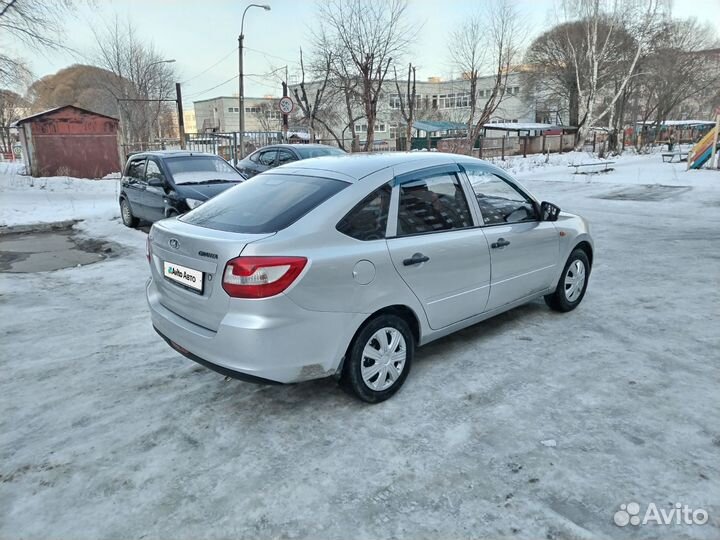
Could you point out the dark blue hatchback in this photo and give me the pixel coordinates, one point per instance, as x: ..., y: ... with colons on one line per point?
x: 161, y: 184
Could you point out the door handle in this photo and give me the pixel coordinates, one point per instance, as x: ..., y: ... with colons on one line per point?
x: 501, y: 243
x: 417, y: 258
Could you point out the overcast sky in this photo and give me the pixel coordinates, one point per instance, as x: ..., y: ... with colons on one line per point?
x: 199, y: 34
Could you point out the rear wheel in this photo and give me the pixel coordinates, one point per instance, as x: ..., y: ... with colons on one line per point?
x: 127, y: 216
x: 573, y: 283
x: 379, y: 359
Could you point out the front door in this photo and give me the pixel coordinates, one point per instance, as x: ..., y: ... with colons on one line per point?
x: 436, y: 250
x: 155, y: 195
x: 524, y: 250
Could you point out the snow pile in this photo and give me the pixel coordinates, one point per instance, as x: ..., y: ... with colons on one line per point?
x: 27, y: 200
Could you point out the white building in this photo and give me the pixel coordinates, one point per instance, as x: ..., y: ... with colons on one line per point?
x: 221, y: 114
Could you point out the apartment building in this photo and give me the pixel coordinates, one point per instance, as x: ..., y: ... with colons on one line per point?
x: 437, y: 99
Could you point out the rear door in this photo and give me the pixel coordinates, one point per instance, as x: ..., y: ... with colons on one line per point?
x: 435, y: 247
x: 524, y: 250
x: 134, y: 186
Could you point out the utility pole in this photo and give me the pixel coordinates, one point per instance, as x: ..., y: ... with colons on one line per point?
x: 285, y: 116
x: 181, y: 118
x: 241, y: 100
x: 241, y: 111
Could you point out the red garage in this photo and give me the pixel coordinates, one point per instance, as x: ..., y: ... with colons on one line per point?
x: 70, y: 141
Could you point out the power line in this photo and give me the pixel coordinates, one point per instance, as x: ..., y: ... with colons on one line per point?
x: 196, y: 94
x: 266, y: 54
x: 234, y: 50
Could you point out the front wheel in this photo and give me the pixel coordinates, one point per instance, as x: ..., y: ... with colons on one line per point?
x: 573, y: 283
x: 127, y: 216
x: 379, y: 359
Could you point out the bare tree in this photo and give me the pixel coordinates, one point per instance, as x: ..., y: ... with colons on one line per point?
x: 268, y: 117
x: 676, y: 70
x: 367, y: 35
x: 142, y: 79
x: 486, y: 43
x: 34, y: 23
x: 408, y: 103
x: 312, y: 109
x: 602, y: 21
x: 12, y: 107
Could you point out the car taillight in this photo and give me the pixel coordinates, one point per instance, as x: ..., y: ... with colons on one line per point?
x: 261, y: 277
x: 148, y: 250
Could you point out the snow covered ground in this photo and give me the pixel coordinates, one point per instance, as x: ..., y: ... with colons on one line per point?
x: 531, y: 425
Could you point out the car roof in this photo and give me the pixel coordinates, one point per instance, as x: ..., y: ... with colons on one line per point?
x: 296, y: 145
x: 360, y: 165
x: 170, y: 153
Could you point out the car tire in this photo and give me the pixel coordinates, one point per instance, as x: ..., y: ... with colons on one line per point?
x: 375, y: 376
x: 573, y: 283
x: 128, y: 219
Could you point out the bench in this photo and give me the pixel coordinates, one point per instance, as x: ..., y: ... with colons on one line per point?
x: 605, y: 167
x: 668, y: 157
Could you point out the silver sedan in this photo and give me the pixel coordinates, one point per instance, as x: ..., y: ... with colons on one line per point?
x: 342, y: 266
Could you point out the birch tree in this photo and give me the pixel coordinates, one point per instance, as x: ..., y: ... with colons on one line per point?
x: 487, y: 43
x: 603, y: 20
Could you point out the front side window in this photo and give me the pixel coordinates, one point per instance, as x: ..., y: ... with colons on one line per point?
x: 368, y: 220
x: 136, y: 169
x: 436, y: 203
x: 267, y: 158
x: 285, y: 157
x: 266, y: 203
x: 153, y: 171
x: 499, y: 201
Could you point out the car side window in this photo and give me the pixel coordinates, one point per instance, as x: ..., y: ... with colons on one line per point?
x: 254, y: 157
x: 499, y: 201
x: 136, y: 170
x: 368, y: 219
x: 153, y: 171
x: 267, y: 158
x: 436, y: 203
x: 285, y: 156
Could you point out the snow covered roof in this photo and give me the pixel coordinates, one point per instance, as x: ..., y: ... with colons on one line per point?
x: 681, y: 123
x: 299, y: 135
x: 55, y: 109
x: 432, y: 126
x: 522, y: 126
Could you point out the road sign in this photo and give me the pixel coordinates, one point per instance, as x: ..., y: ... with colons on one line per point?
x: 286, y: 105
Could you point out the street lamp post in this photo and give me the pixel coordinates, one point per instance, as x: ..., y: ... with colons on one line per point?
x: 241, y: 112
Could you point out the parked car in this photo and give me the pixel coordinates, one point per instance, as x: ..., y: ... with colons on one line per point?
x: 275, y: 155
x: 344, y: 266
x: 167, y: 183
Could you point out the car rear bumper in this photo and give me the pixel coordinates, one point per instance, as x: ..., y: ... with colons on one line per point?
x: 282, y: 345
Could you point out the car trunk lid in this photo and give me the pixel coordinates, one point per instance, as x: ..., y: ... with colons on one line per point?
x: 200, y: 254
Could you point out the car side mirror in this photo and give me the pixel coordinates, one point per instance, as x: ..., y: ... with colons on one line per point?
x: 549, y: 211
x: 156, y: 182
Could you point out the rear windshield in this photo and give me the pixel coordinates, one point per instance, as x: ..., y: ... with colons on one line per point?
x: 264, y: 204
x: 195, y: 169
x: 313, y: 151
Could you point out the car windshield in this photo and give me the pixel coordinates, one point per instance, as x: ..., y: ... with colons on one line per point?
x: 267, y: 203
x: 197, y: 169
x: 315, y: 151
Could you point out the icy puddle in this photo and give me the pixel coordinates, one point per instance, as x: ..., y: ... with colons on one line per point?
x: 42, y: 251
x: 654, y: 192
